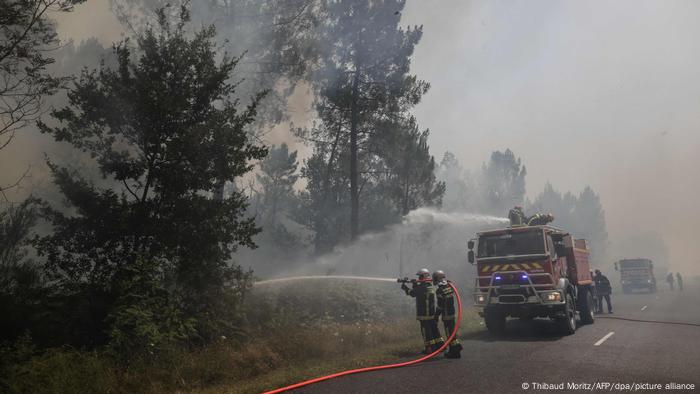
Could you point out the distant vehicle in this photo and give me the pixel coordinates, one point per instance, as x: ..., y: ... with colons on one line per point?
x: 636, y: 274
x: 531, y: 271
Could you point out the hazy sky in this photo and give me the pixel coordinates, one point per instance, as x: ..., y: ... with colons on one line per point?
x: 594, y: 93
x: 586, y: 92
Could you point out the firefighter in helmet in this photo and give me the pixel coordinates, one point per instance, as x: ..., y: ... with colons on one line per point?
x: 603, y: 290
x: 447, y: 309
x: 517, y: 216
x: 540, y: 219
x: 423, y: 291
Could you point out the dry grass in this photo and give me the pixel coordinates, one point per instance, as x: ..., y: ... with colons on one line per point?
x: 288, y: 340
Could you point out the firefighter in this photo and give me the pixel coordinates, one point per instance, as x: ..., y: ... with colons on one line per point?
x: 424, y: 292
x: 669, y: 279
x: 603, y: 290
x: 540, y: 219
x: 594, y: 295
x: 679, y: 280
x: 446, y: 308
x: 517, y: 216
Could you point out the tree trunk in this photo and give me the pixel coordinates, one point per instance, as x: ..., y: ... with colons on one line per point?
x: 354, y: 181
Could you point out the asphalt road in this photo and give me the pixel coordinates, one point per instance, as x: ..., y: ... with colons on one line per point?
x: 533, y: 353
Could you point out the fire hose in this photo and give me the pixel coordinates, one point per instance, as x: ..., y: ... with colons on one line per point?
x: 381, y: 367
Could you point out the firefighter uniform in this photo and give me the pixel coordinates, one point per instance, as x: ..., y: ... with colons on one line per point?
x: 424, y: 292
x: 448, y: 311
x: 517, y: 217
x: 603, y: 290
x: 540, y: 219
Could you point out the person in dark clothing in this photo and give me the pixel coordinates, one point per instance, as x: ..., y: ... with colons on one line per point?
x: 540, y: 219
x: 517, y: 216
x: 424, y: 292
x: 594, y: 295
x: 447, y: 309
x: 669, y: 279
x: 603, y: 290
x: 679, y: 280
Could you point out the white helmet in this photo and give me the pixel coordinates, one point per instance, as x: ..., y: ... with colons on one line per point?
x: 438, y: 275
x: 423, y: 272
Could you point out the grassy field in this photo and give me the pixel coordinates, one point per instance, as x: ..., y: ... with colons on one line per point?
x: 292, y: 333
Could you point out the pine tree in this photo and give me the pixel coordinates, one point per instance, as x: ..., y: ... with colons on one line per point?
x: 502, y: 182
x: 410, y: 180
x: 364, y: 79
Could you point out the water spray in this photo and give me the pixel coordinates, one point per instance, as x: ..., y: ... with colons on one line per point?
x: 293, y: 278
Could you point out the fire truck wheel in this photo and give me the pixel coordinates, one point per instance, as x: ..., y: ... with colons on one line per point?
x: 568, y: 323
x: 586, y: 306
x: 495, y: 322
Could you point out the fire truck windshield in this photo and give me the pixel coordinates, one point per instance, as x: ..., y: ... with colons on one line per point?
x: 634, y: 263
x: 520, y: 243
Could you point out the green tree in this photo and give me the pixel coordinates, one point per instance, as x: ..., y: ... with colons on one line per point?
x: 277, y: 202
x: 325, y: 202
x: 154, y: 247
x: 278, y: 174
x: 363, y: 79
x: 410, y: 180
x: 21, y: 283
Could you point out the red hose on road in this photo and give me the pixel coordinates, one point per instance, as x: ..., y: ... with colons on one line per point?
x: 380, y: 367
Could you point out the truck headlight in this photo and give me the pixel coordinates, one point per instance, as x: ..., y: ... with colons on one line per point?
x: 552, y: 296
x: 480, y: 298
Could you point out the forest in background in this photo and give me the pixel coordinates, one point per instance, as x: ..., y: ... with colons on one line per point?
x: 165, y: 192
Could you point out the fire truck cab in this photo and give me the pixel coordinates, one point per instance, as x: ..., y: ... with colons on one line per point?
x: 531, y: 271
x: 636, y: 274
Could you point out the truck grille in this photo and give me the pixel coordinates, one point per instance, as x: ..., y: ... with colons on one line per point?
x: 511, y: 298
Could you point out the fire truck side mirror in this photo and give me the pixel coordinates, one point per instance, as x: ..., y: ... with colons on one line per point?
x: 470, y: 244
x: 616, y: 266
x: 470, y: 257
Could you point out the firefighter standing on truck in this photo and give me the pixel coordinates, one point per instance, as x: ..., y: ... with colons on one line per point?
x: 447, y: 310
x: 517, y: 216
x: 424, y: 292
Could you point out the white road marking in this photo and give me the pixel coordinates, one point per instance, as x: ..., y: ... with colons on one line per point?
x: 644, y: 307
x: 600, y: 342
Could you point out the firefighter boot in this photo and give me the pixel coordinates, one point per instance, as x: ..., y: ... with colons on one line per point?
x: 455, y: 351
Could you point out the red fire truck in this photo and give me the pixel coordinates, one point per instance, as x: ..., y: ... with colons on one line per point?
x: 531, y: 271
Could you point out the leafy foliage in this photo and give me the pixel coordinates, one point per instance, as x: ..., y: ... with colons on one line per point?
x: 167, y: 136
x: 364, y: 90
x: 277, y: 41
x: 27, y: 36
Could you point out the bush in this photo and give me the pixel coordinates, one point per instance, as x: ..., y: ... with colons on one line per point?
x: 61, y: 370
